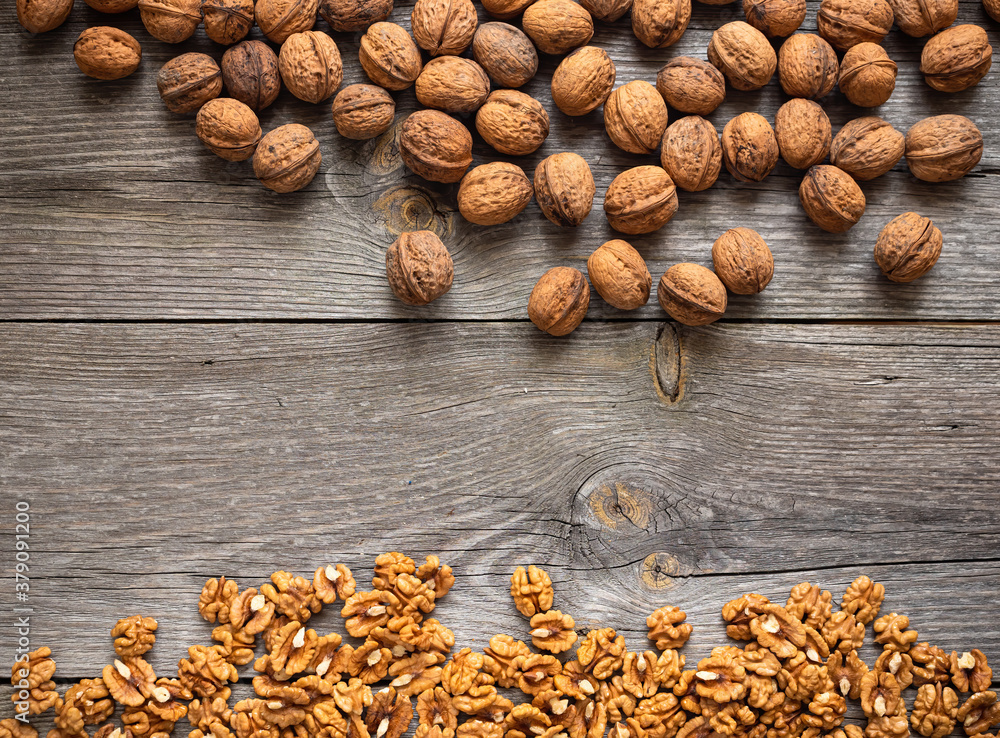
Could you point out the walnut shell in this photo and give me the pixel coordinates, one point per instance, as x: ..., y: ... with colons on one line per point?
x: 287, y: 158
x: 640, y: 200
x: 957, y: 58
x: 802, y: 129
x: 505, y: 9
x: 494, y: 193
x: 992, y: 8
x: 867, y: 75
x: 112, y: 6
x: 691, y: 153
x: 389, y: 56
x: 512, y: 122
x: 807, y: 66
x: 250, y: 71
x: 564, y: 188
x: 775, y: 17
x: 619, y: 275
x: 943, y: 148
x: 743, y: 54
x: 361, y: 112
x: 354, y: 15
x: 228, y: 128
x: 227, y: 21
x: 453, y: 84
x: 506, y: 53
x: 559, y: 301
x: 867, y: 148
x: 607, y: 10
x: 635, y: 117
x: 923, y: 17
x: 908, y: 247
x: 171, y: 21
x: 557, y: 26
x: 435, y: 146
x: 443, y: 27
x: 40, y: 16
x: 660, y: 23
x: 691, y: 294
x: 279, y: 19
x: 743, y: 261
x: 583, y: 81
x: 691, y: 85
x: 103, y: 52
x: 419, y: 267
x: 310, y: 66
x: 846, y: 23
x: 188, y: 81
x: 831, y: 198
x: 749, y: 147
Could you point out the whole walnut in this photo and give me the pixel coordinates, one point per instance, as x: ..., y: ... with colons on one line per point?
x: 361, y: 112
x: 583, y: 81
x: 557, y: 26
x: 846, y: 23
x: 691, y: 85
x: 943, y: 148
x: 620, y: 275
x: 775, y: 17
x: 749, y: 147
x: 39, y: 16
x: 435, y: 146
x: 227, y: 21
x: 802, y: 129
x: 992, y: 7
x: 112, y: 6
x: 250, y: 71
x: 453, y: 84
x: 506, y: 53
x: 559, y: 301
x: 389, y: 56
x: 310, y: 66
x: 347, y: 16
x: 923, y: 17
x: 279, y: 19
x: 660, y: 23
x: 103, y: 52
x: 691, y: 153
x: 505, y: 9
x: 607, y: 10
x: 287, y: 158
x: 635, y: 117
x: 831, y: 198
x: 867, y: 75
x: 867, y: 148
x: 564, y: 188
x: 691, y: 294
x: 743, y: 54
x: 171, y: 21
x: 957, y: 58
x: 228, y: 128
x: 443, y: 26
x: 640, y: 200
x: 419, y: 267
x: 494, y: 193
x: 908, y: 247
x: 743, y: 261
x: 807, y: 66
x: 188, y: 81
x: 512, y: 122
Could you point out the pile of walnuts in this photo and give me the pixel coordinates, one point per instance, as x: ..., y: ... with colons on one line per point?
x: 791, y: 679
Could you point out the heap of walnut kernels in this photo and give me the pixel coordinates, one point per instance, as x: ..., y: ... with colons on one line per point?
x: 791, y: 680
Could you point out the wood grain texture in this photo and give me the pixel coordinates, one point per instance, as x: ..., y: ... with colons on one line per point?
x: 111, y: 208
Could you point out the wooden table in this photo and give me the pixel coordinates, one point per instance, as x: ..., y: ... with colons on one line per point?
x: 201, y: 377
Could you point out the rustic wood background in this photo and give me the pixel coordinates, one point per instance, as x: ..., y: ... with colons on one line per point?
x: 201, y: 377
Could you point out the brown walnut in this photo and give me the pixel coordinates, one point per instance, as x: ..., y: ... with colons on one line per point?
x: 494, y: 193
x: 867, y: 148
x: 171, y: 21
x: 619, y: 275
x: 660, y: 23
x: 583, y: 81
x: 957, y: 58
x: 112, y: 6
x: 749, y: 148
x: 557, y: 26
x: 188, y: 81
x: 557, y: 305
x: 691, y: 294
x: 310, y: 66
x: 453, y: 84
x: 846, y: 23
x: 531, y: 590
x: 250, y: 72
x: 943, y: 148
x: 666, y: 627
x: 743, y: 54
x: 691, y: 153
x: 419, y: 267
x: 923, y: 17
x: 640, y: 200
x: 435, y: 146
x: 363, y: 111
x: 992, y: 8
x: 228, y: 128
x: 635, y: 117
x: 691, y: 85
x: 775, y: 17
x: 743, y: 261
x: 506, y: 53
x: 287, y: 158
x: 934, y: 711
x: 354, y: 15
x: 867, y: 75
x: 279, y: 19
x: 831, y: 198
x: 133, y: 635
x: 803, y: 132
x: 807, y: 66
x: 512, y: 122
x: 103, y: 52
x: 907, y: 248
x: 40, y: 16
x: 979, y: 713
x: 443, y: 26
x: 564, y: 189
x: 506, y: 9
x: 227, y: 21
x: 970, y: 671
x: 389, y: 56
x: 607, y: 10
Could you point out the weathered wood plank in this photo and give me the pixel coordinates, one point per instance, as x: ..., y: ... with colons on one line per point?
x: 112, y: 209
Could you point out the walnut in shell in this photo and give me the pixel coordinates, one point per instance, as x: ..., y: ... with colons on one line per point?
x: 749, y: 147
x: 607, y: 10
x: 831, y: 198
x: 923, y: 17
x: 957, y: 58
x: 435, y: 146
x: 227, y: 21
x: 867, y: 148
x: 867, y: 75
x: 512, y: 122
x: 103, y: 52
x: 943, y: 148
x: 846, y: 23
x: 310, y: 66
x: 691, y: 153
x: 691, y: 85
x: 583, y: 81
x: 112, y: 6
x: 443, y: 26
x: 635, y: 117
x: 691, y: 294
x: 775, y: 17
x: 564, y: 188
x: 802, y: 129
x: 453, y: 84
x: 362, y: 111
x: 171, y: 21
x: 228, y: 128
x: 506, y: 53
x: 494, y: 193
x: 419, y: 267
x: 992, y: 8
x: 279, y: 19
x: 908, y: 247
x: 250, y: 73
x: 743, y: 54
x: 188, y: 81
x: 506, y: 9
x: 743, y: 261
x: 389, y: 56
x: 40, y: 16
x: 287, y: 158
x: 559, y: 301
x: 619, y: 275
x: 557, y: 26
x: 807, y: 66
x: 640, y: 200
x: 660, y: 23
x: 354, y: 15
